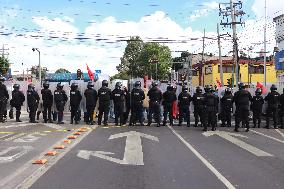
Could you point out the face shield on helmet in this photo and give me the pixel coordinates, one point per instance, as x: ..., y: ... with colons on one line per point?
x: 118, y: 85
x: 198, y: 89
x: 90, y: 85
x: 137, y: 84
x: 105, y: 83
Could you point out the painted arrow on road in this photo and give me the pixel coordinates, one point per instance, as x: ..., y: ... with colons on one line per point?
x: 231, y: 137
x: 133, y: 153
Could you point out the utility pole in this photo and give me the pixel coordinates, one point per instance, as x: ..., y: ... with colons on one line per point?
x: 220, y: 56
x: 233, y: 10
x: 3, y: 51
x: 202, y: 60
x: 264, y: 59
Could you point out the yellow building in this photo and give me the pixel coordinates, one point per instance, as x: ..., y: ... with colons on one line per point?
x: 251, y: 72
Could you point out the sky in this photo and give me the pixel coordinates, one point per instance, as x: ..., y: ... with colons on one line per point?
x: 72, y: 33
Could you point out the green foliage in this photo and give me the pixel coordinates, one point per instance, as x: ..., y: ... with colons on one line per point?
x: 4, y: 65
x: 137, y: 56
x: 62, y: 70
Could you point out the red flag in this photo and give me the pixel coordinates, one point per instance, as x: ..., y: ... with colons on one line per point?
x: 260, y: 86
x: 218, y: 83
x: 90, y: 73
x: 175, y: 109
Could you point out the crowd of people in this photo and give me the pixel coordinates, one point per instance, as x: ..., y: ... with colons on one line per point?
x: 208, y: 107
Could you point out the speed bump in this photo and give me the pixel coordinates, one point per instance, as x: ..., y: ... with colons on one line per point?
x: 72, y: 137
x: 59, y: 147
x: 40, y: 161
x: 67, y: 141
x: 51, y: 153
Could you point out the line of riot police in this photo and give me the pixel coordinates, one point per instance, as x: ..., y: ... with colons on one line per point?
x: 207, y: 107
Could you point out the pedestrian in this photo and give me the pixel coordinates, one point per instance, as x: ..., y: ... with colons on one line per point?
x: 155, y: 97
x: 168, y: 99
x: 18, y: 98
x: 242, y: 99
x: 60, y: 99
x: 4, y: 96
x: 104, y: 95
x: 256, y: 107
x: 75, y: 101
x: 273, y: 101
x: 211, y: 108
x: 137, y: 97
x: 198, y: 102
x: 184, y: 99
x: 118, y: 97
x: 281, y: 112
x: 227, y: 108
x: 146, y: 102
x: 47, y: 101
x: 33, y: 101
x: 127, y: 105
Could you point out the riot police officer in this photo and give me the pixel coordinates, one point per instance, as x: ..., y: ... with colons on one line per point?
x: 256, y: 107
x: 137, y: 96
x: 47, y: 101
x: 211, y: 108
x: 273, y: 101
x: 75, y: 100
x: 226, y: 108
x: 242, y: 99
x: 33, y: 100
x: 198, y: 102
x: 168, y: 98
x: 60, y: 99
x: 184, y: 100
x: 155, y: 97
x: 118, y: 97
x: 281, y: 113
x: 91, y: 96
x: 4, y: 96
x: 104, y: 95
x: 18, y: 98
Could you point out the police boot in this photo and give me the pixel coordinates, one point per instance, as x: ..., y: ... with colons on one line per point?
x: 164, y: 123
x: 37, y: 115
x: 158, y: 124
x: 71, y: 122
x: 180, y: 123
x: 205, y: 128
x: 18, y: 116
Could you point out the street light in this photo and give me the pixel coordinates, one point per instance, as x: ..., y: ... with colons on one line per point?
x: 39, y: 66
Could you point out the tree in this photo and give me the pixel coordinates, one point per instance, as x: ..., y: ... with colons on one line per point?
x: 129, y: 60
x: 62, y: 70
x: 35, y: 71
x: 136, y: 59
x: 4, y: 65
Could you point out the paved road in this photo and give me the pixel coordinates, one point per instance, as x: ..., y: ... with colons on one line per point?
x: 148, y: 157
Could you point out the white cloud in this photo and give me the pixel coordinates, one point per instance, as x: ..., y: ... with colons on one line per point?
x: 274, y: 8
x: 207, y: 8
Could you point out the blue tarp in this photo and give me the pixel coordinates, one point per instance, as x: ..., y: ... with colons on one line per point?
x: 66, y: 77
x: 279, y: 60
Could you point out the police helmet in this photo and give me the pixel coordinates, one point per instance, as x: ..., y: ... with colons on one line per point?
x: 16, y: 86
x: 137, y: 84
x: 90, y: 85
x: 258, y: 91
x: 273, y: 87
x: 59, y: 85
x: 154, y: 84
x: 228, y: 91
x: 184, y: 88
x: 241, y: 86
x: 212, y: 90
x: 46, y: 85
x: 74, y: 85
x: 198, y: 89
x: 105, y: 83
x: 31, y: 86
x: 118, y: 85
x: 2, y: 78
x: 207, y: 88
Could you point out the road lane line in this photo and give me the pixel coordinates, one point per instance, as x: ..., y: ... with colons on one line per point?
x: 259, y: 133
x: 223, y: 179
x: 280, y: 133
x: 29, y: 181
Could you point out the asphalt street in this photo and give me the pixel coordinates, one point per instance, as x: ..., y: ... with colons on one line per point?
x: 142, y: 157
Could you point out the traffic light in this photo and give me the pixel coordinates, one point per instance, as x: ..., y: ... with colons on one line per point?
x: 79, y: 74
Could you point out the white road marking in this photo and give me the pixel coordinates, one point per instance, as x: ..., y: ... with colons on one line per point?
x: 133, y: 153
x: 15, y: 136
x: 17, y: 150
x: 223, y: 179
x: 280, y: 133
x: 18, y: 125
x: 30, y: 137
x: 230, y: 137
x: 28, y: 182
x: 259, y: 133
x: 4, y: 136
x: 54, y: 126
